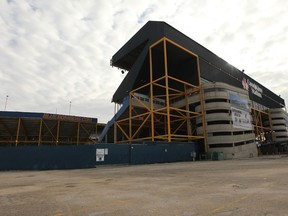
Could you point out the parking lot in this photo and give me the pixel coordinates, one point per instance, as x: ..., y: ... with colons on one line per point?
x: 257, y: 186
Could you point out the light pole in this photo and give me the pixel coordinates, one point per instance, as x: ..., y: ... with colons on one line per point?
x: 6, y: 102
x: 70, y: 104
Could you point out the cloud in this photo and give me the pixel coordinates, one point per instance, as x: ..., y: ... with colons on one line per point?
x: 53, y: 52
x: 143, y: 16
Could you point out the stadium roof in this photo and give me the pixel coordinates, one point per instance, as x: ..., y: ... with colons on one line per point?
x: 134, y: 58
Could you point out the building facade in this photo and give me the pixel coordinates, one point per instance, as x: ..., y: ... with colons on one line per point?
x: 176, y: 90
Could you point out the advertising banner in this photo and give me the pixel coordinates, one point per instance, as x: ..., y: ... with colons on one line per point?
x: 240, y: 112
x: 238, y: 102
x: 241, y: 119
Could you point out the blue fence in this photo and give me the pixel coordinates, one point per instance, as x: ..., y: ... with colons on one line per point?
x: 89, y: 156
x: 47, y: 157
x: 161, y: 153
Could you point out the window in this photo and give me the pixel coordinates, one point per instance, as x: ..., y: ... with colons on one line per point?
x: 222, y: 145
x: 217, y: 111
x: 218, y: 122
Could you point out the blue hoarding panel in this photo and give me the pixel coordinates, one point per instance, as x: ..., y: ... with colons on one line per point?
x: 112, y: 154
x: 47, y: 157
x: 89, y: 156
x: 161, y: 153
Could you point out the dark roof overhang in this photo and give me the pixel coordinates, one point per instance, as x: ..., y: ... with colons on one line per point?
x: 131, y: 57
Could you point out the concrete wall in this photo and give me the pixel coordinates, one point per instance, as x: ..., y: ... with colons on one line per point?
x: 279, y: 122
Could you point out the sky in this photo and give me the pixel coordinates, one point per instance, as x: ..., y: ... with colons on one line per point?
x: 55, y: 55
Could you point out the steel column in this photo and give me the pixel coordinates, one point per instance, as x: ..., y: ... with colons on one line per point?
x: 58, y: 131
x: 167, y: 92
x: 40, y: 132
x: 151, y: 94
x: 18, y: 130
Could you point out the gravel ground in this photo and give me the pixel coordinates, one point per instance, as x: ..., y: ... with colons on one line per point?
x: 255, y: 186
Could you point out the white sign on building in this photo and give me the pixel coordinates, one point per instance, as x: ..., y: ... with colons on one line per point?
x: 240, y: 112
x: 241, y: 119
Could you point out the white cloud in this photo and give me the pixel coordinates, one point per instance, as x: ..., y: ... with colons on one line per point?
x: 53, y: 52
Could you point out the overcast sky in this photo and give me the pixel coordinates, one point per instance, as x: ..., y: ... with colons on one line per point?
x: 57, y: 51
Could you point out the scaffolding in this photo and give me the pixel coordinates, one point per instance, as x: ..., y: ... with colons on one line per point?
x: 162, y: 109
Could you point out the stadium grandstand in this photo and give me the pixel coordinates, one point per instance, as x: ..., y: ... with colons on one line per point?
x: 27, y: 128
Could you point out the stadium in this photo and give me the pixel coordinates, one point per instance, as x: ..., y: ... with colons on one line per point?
x: 178, y: 101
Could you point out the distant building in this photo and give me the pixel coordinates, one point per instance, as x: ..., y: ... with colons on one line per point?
x: 28, y: 129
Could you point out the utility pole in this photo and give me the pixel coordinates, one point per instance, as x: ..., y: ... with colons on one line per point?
x: 6, y: 102
x: 70, y: 104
